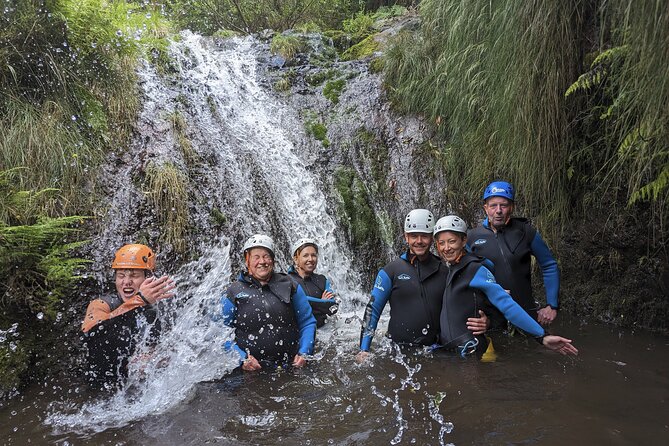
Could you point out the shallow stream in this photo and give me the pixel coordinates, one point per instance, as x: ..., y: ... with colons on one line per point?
x: 615, y: 392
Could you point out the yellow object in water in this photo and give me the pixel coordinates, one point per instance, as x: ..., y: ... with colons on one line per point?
x: 489, y: 355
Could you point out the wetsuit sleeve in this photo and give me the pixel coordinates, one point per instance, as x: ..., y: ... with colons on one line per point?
x: 549, y: 269
x: 305, y: 321
x: 484, y: 281
x: 328, y: 286
x: 98, y: 310
x: 377, y: 302
x: 229, y: 314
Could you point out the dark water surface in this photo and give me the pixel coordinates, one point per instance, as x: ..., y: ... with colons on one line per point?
x: 614, y: 393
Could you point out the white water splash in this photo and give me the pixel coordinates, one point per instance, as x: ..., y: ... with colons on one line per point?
x: 263, y: 186
x: 190, y: 351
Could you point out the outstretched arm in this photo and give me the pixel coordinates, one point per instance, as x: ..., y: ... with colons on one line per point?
x: 484, y: 281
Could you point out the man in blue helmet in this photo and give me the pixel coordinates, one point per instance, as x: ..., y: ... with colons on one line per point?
x: 414, y: 286
x: 510, y: 242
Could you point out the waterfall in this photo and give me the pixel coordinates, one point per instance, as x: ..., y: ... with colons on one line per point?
x: 257, y: 177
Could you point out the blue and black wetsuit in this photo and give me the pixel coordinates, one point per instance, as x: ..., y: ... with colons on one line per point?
x: 414, y: 290
x: 314, y: 286
x: 511, y: 249
x: 470, y: 286
x: 273, y: 322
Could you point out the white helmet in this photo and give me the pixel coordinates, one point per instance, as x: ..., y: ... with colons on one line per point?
x: 259, y: 241
x: 450, y: 223
x: 300, y: 243
x: 419, y: 220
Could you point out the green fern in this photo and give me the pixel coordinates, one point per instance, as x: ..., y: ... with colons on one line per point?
x: 654, y: 190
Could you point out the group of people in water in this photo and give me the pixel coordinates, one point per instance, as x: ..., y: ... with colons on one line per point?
x: 479, y: 282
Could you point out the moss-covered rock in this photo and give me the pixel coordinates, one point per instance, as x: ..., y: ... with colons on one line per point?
x: 376, y: 65
x: 333, y: 89
x: 319, y: 131
x: 225, y: 34
x: 321, y: 76
x: 363, y: 49
x: 355, y: 211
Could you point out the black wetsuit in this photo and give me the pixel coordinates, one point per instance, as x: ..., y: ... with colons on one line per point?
x: 511, y: 249
x: 273, y: 322
x: 314, y: 286
x: 414, y: 290
x: 112, y: 342
x: 470, y: 286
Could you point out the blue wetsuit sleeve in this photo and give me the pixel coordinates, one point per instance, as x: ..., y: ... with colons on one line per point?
x: 306, y: 321
x: 549, y: 269
x: 377, y: 302
x: 484, y: 281
x: 229, y: 314
x: 328, y: 286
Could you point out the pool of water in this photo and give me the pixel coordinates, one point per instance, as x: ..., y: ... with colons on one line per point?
x: 615, y: 392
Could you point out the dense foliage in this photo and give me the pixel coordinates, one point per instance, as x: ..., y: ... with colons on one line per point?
x: 251, y: 16
x: 67, y: 96
x: 497, y: 80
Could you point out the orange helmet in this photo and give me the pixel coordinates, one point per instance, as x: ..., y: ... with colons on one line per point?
x: 134, y: 256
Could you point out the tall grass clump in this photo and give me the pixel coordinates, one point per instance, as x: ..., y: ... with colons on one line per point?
x: 67, y: 79
x: 167, y: 191
x: 491, y: 77
x: 500, y: 82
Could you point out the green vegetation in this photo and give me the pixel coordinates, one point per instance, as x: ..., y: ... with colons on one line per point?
x: 318, y: 130
x: 37, y: 272
x: 333, y: 89
x: 376, y: 65
x: 321, y: 76
x: 225, y: 34
x: 179, y: 129
x: 167, y: 190
x: 362, y: 49
x: 288, y: 46
x: 251, y: 16
x: 355, y: 210
x: 493, y: 77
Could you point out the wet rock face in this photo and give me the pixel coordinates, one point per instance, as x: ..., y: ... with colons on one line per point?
x: 210, y: 156
x: 375, y: 165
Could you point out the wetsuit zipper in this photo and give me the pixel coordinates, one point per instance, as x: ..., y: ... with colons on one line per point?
x: 426, y: 304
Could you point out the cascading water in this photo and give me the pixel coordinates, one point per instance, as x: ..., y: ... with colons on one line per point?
x: 263, y: 186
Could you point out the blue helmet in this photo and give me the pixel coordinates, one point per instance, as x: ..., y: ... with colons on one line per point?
x: 499, y: 189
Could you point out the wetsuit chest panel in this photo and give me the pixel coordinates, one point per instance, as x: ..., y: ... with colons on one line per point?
x: 313, y: 285
x: 510, y: 251
x: 460, y: 302
x: 265, y: 326
x: 415, y: 300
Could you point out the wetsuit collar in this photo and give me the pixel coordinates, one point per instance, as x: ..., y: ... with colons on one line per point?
x: 412, y: 258
x: 245, y: 277
x: 486, y: 224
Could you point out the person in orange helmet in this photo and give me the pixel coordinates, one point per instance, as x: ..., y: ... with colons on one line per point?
x: 136, y: 286
x: 110, y: 322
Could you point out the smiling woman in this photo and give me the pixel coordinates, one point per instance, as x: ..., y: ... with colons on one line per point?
x: 273, y: 321
x: 316, y: 286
